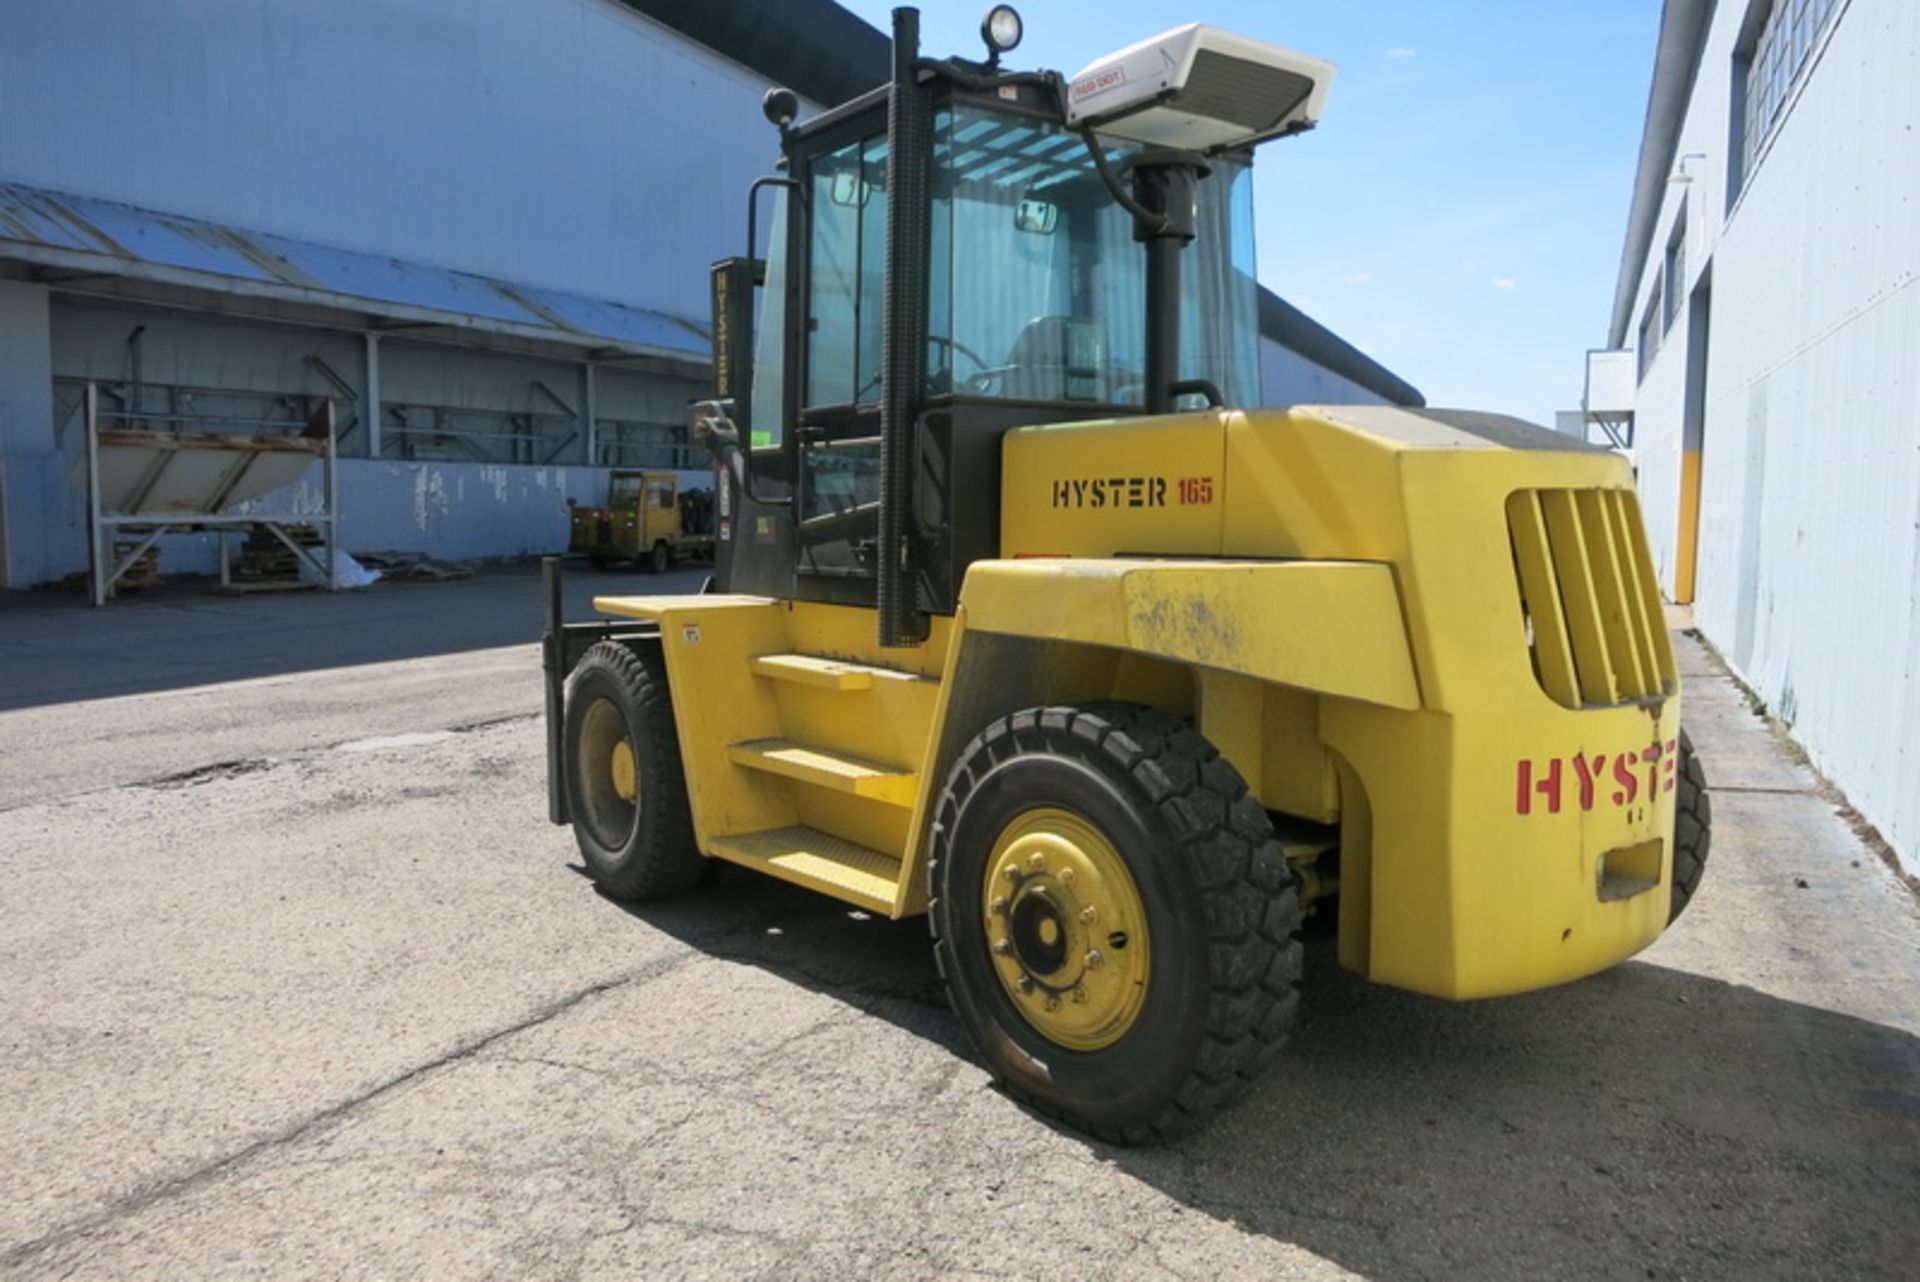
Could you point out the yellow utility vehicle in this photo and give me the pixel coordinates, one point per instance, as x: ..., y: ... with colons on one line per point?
x: 647, y: 519
x: 1026, y: 619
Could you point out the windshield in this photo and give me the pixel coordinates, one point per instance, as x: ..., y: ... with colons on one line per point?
x: 1043, y: 292
x: 1038, y: 289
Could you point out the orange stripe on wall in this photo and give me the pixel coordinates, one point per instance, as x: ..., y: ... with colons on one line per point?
x: 1687, y: 558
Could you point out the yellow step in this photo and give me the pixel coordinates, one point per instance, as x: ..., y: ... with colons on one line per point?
x: 827, y: 674
x: 810, y: 670
x: 811, y: 858
x: 825, y: 768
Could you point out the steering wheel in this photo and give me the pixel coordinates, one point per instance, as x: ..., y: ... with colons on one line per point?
x: 956, y: 348
x: 973, y: 381
x: 987, y: 377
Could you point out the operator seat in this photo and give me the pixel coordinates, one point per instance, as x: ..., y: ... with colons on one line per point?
x: 1037, y: 362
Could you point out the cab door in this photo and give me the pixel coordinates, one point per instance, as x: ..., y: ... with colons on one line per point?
x: 837, y: 517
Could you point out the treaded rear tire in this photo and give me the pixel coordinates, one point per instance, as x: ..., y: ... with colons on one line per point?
x: 1221, y: 902
x: 1692, y: 829
x: 649, y: 853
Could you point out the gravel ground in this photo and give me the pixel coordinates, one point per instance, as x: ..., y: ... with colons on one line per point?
x: 332, y: 998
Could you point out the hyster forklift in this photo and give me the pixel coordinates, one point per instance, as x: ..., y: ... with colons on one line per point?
x: 1027, y: 619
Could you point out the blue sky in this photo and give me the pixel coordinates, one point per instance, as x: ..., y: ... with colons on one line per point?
x: 1458, y: 213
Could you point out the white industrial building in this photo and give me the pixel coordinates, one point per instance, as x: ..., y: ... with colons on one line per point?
x: 1763, y: 367
x: 481, y: 230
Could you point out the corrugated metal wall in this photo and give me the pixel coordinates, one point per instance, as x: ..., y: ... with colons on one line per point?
x: 1809, y: 564
x: 568, y: 143
x: 438, y: 503
x: 31, y: 486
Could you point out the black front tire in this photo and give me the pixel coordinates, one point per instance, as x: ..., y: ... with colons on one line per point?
x: 659, y: 558
x: 1221, y: 904
x: 1692, y: 829
x: 639, y: 847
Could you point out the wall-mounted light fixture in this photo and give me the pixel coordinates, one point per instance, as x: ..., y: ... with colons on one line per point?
x: 1680, y: 174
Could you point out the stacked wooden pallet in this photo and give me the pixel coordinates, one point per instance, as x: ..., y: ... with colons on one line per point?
x: 143, y: 573
x: 266, y: 564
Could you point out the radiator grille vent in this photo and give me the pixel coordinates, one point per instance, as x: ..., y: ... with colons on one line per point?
x: 1586, y: 583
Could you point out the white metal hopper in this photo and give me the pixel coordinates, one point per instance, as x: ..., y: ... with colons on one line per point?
x: 176, y: 474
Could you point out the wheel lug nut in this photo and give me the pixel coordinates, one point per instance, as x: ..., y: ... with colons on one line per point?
x: 1066, y: 877
x: 1053, y: 1003
x: 1094, y: 960
x: 1088, y: 913
x: 1003, y: 947
x: 1014, y: 875
x: 999, y: 906
x: 1037, y: 861
x: 1080, y: 994
x: 1024, y: 983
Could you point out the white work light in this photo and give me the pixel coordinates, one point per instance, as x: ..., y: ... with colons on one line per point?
x: 1200, y: 89
x: 1001, y: 29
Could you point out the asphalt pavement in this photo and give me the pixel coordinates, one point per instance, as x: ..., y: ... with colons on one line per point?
x: 296, y: 980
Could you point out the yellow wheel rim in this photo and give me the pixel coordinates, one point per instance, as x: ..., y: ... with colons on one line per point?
x: 621, y: 767
x: 1066, y: 929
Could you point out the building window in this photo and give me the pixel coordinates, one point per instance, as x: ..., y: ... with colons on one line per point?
x: 1676, y: 271
x: 1649, y: 341
x: 1774, y: 48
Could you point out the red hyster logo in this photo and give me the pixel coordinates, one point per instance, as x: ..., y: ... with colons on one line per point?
x: 1618, y: 778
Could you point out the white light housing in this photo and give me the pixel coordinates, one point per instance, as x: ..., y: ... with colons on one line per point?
x: 1201, y: 89
x: 1001, y: 29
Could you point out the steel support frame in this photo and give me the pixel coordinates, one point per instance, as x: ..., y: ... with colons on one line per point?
x: 105, y: 569
x: 371, y: 410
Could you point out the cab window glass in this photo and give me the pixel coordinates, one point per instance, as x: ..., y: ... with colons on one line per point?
x: 1039, y: 286
x: 846, y: 293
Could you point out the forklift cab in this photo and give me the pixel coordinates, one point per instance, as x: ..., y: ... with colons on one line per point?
x: 1035, y: 289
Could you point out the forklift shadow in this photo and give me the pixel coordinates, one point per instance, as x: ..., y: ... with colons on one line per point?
x: 883, y: 966
x: 1646, y: 1120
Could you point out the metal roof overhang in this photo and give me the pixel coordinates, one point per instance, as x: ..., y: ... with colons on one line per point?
x: 1676, y: 62
x: 143, y: 255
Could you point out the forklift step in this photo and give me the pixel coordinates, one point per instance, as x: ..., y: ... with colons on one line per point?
x: 826, y: 769
x: 811, y: 858
x: 806, y: 669
x: 825, y: 673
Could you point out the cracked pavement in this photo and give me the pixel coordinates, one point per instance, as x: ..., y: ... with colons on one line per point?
x: 320, y: 1011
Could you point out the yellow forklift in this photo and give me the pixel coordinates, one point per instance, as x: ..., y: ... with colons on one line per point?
x: 648, y: 519
x: 1026, y: 619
